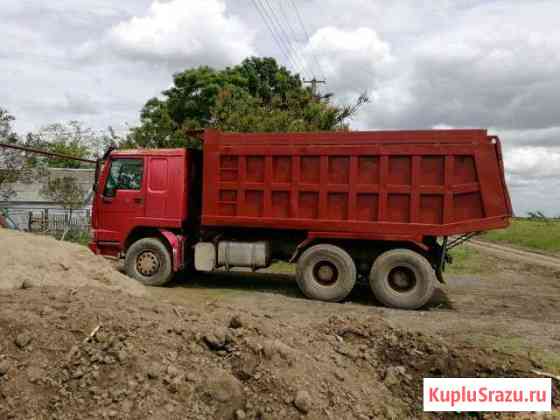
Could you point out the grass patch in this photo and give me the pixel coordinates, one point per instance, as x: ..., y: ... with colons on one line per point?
x: 467, y: 260
x: 78, y: 236
x: 549, y: 360
x: 531, y: 234
x: 281, y: 267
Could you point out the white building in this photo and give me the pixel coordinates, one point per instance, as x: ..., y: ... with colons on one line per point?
x: 28, y: 200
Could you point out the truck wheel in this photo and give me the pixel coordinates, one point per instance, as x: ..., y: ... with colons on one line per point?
x: 402, y: 279
x: 326, y: 272
x: 149, y: 262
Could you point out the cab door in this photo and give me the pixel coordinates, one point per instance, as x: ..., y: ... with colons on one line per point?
x: 157, y: 194
x: 122, y: 199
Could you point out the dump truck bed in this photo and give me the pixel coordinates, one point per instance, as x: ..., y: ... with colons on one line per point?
x: 379, y: 184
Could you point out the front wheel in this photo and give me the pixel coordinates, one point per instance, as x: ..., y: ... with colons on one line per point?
x: 148, y: 261
x: 326, y: 272
x: 402, y: 279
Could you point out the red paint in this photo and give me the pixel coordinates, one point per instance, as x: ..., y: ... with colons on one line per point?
x: 377, y: 185
x: 176, y: 243
x: 161, y: 201
x: 383, y: 186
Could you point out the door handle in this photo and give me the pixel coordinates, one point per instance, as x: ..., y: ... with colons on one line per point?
x: 138, y: 200
x: 107, y: 199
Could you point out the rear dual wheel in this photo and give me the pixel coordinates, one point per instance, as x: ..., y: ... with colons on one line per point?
x: 326, y: 272
x: 401, y: 278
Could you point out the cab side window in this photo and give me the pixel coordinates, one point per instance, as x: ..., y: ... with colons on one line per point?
x: 125, y: 174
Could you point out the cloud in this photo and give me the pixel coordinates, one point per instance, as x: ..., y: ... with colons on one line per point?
x: 533, y: 178
x: 73, y: 104
x: 183, y: 34
x: 548, y: 136
x: 533, y: 162
x: 463, y: 63
x: 358, y: 60
x: 534, y: 195
x: 351, y: 60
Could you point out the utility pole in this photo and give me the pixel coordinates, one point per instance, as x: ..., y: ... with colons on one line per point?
x: 314, y: 82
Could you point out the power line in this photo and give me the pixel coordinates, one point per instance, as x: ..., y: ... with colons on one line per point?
x: 267, y: 20
x: 302, y: 24
x: 295, y: 53
x: 295, y: 34
x: 282, y: 35
x: 286, y: 18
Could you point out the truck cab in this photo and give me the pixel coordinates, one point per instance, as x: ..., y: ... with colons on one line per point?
x: 143, y: 194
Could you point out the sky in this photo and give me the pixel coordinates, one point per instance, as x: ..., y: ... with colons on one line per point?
x: 440, y: 64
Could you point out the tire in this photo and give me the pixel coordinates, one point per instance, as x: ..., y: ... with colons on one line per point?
x: 326, y: 272
x: 401, y: 278
x: 147, y: 256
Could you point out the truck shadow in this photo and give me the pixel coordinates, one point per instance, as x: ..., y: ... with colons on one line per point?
x: 222, y: 284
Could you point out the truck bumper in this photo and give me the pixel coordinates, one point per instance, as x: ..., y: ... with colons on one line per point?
x: 111, y: 249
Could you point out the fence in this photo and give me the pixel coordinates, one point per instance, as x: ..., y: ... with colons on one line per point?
x: 50, y: 220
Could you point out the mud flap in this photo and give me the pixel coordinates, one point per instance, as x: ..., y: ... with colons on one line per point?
x: 443, y: 258
x: 177, y: 244
x: 439, y: 276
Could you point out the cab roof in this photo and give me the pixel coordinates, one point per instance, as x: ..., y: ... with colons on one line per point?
x: 148, y: 152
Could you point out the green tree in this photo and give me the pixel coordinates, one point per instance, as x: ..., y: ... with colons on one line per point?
x: 6, y: 132
x: 12, y: 162
x: 71, y: 139
x: 257, y: 95
x: 66, y: 192
x: 537, y: 215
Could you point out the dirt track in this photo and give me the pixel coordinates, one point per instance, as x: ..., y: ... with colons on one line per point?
x: 511, y: 253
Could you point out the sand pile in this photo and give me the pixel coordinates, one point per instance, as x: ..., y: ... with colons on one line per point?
x: 28, y: 260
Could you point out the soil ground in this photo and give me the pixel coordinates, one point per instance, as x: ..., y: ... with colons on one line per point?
x: 504, y: 304
x: 249, y: 345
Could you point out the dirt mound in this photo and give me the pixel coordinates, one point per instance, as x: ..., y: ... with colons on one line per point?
x: 33, y: 261
x: 157, y: 360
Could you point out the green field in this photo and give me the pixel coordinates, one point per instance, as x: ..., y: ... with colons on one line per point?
x: 467, y: 260
x: 539, y: 235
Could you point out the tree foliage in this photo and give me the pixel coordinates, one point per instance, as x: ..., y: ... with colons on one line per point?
x: 71, y: 139
x: 65, y: 191
x: 537, y: 215
x: 7, y: 135
x: 12, y: 162
x: 257, y: 95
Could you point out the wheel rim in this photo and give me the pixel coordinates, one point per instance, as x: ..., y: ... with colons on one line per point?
x: 148, y: 263
x: 402, y: 279
x: 325, y: 273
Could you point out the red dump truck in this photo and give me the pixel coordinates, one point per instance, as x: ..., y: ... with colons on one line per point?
x: 343, y: 206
